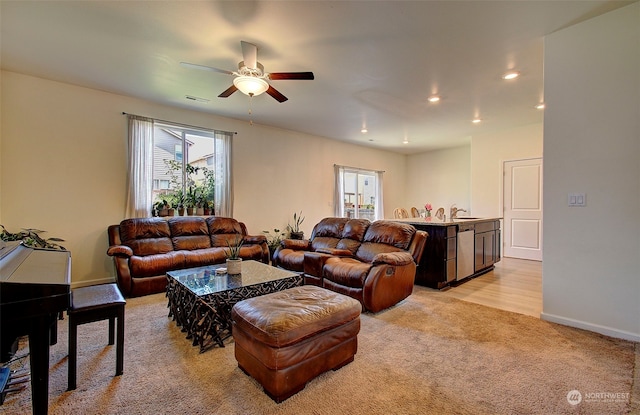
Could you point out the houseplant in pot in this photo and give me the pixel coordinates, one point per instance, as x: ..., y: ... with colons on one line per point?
x: 234, y: 262
x: 294, y: 230
x: 273, y: 240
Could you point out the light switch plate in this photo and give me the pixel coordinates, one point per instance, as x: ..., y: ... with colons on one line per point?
x: 577, y: 199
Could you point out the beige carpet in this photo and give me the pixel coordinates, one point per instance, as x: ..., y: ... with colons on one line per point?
x: 427, y: 355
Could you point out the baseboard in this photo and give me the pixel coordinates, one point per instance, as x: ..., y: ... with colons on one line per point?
x: 607, y: 331
x: 84, y: 283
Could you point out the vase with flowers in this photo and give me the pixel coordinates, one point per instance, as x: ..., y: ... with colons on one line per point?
x: 427, y: 209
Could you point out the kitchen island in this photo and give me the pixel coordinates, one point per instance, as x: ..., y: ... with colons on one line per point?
x: 456, y: 249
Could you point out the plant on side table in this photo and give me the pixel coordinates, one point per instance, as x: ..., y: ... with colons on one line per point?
x: 294, y: 230
x: 274, y: 239
x: 234, y: 262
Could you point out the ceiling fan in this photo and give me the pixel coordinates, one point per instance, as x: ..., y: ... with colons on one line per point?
x: 251, y: 78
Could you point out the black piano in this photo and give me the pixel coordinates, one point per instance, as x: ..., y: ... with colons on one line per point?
x: 35, y: 286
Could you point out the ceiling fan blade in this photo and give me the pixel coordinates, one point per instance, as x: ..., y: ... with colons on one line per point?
x: 290, y: 75
x: 275, y: 94
x: 249, y: 54
x: 204, y: 68
x: 228, y: 92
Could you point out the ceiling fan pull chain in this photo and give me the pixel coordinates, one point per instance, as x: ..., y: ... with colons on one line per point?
x: 250, y: 111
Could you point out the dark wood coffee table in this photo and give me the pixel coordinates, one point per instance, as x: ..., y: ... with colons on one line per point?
x: 200, y: 301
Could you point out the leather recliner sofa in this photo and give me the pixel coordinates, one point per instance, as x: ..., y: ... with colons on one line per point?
x: 375, y: 263
x: 144, y: 249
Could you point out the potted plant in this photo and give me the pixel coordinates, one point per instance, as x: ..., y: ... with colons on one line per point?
x: 163, y: 208
x: 294, y: 230
x: 234, y: 261
x: 31, y: 237
x: 207, y: 207
x: 273, y: 240
x: 156, y: 208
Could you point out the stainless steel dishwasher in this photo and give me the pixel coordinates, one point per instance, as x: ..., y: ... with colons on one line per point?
x: 465, y: 255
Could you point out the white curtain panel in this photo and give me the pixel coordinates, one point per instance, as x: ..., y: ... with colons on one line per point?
x: 224, y: 183
x: 140, y: 174
x: 338, y: 192
x: 379, y: 205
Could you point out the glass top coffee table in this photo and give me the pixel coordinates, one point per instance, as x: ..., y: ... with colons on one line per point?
x: 200, y: 301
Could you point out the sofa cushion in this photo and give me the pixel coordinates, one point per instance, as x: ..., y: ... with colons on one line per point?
x: 152, y: 265
x: 253, y: 252
x: 150, y: 246
x: 352, y: 234
x: 202, y: 257
x: 132, y: 229
x: 223, y: 231
x: 391, y: 233
x: 331, y: 227
x: 384, y: 237
x: 146, y: 236
x: 348, y: 272
x: 189, y: 233
x: 291, y: 259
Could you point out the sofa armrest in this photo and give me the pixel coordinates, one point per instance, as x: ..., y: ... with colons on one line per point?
x: 296, y: 244
x: 393, y: 258
x: 120, y: 251
x: 336, y: 252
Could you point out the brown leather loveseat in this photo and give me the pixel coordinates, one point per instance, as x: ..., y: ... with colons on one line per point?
x: 375, y: 263
x: 144, y: 249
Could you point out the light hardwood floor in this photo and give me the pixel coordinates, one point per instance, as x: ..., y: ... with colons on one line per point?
x: 513, y: 285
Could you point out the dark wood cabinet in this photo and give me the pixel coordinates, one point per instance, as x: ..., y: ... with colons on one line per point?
x: 438, y: 266
x: 487, y: 246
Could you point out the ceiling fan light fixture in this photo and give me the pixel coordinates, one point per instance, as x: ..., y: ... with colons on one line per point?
x: 250, y: 85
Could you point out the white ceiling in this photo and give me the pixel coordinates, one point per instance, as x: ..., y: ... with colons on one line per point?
x: 375, y: 62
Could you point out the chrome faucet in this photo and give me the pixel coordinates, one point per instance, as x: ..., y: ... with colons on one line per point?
x: 453, y: 211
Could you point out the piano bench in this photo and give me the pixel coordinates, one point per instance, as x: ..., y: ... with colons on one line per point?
x: 90, y: 304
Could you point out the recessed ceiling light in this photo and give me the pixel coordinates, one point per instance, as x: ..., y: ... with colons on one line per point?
x: 540, y: 106
x: 434, y: 98
x: 511, y: 75
x: 476, y: 120
x: 405, y: 141
x: 364, y: 131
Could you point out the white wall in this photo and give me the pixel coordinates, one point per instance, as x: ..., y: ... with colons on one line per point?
x: 488, y: 154
x: 63, y: 167
x: 439, y: 177
x: 591, y: 271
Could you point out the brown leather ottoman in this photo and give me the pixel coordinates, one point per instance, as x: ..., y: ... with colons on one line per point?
x: 285, y: 339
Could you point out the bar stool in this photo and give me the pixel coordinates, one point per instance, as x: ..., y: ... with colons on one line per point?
x: 90, y: 304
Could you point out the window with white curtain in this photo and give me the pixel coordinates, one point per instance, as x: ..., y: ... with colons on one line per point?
x: 358, y: 193
x: 182, y: 165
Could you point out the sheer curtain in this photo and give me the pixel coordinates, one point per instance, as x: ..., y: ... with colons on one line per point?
x: 224, y: 182
x: 379, y: 207
x: 140, y: 177
x: 338, y: 193
x: 339, y: 190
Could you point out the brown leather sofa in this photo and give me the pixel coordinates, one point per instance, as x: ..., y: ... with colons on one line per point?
x: 144, y: 249
x: 375, y: 263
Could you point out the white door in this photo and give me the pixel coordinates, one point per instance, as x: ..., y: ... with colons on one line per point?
x: 523, y: 209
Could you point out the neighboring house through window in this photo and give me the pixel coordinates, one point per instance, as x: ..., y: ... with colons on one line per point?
x: 179, y: 164
x: 358, y: 193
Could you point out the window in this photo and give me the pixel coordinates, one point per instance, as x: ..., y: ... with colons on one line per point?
x: 182, y: 165
x: 358, y: 193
